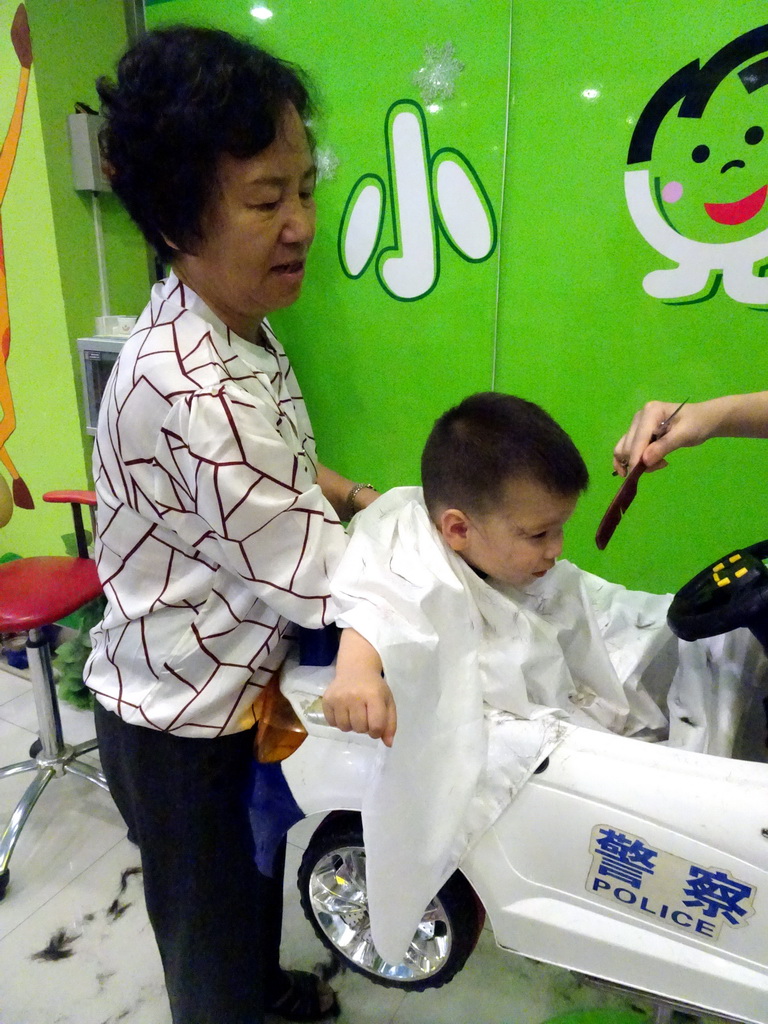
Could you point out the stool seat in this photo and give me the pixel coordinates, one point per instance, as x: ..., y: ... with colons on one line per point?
x: 37, y: 591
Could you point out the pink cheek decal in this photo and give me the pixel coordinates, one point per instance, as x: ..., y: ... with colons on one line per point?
x: 672, y: 191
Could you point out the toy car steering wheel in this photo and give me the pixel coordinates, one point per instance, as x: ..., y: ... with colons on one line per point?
x: 730, y: 593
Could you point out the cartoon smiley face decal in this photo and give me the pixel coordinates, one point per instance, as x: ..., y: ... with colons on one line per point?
x: 710, y: 174
x: 697, y: 187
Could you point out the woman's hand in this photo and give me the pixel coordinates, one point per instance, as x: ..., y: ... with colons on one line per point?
x: 690, y: 426
x: 729, y: 416
x: 358, y: 699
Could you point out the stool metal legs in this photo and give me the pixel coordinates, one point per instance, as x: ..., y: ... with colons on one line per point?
x: 55, y: 757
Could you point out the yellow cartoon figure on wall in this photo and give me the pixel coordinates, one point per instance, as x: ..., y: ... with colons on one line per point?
x: 19, y: 495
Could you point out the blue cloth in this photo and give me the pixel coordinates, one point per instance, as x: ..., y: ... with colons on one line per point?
x: 272, y: 811
x: 318, y: 646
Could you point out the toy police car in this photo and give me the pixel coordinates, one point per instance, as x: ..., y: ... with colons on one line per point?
x: 635, y: 863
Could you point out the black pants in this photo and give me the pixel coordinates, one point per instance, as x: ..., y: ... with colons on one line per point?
x: 216, y: 918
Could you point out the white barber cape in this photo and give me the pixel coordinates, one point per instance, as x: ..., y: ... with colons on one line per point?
x: 486, y: 680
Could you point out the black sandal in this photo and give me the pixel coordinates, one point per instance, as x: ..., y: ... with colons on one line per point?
x: 302, y: 1001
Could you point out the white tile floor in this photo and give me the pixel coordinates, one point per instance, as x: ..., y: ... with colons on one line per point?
x: 73, y: 862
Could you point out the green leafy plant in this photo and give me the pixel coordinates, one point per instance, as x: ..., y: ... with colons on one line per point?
x: 70, y: 657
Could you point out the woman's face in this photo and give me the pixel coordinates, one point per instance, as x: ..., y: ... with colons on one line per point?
x: 256, y: 231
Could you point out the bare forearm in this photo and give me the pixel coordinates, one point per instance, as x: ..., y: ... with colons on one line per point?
x: 337, y: 489
x: 359, y: 699
x: 356, y: 656
x: 738, y: 415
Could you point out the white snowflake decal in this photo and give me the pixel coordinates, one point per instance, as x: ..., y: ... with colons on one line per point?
x: 437, y: 76
x: 327, y: 164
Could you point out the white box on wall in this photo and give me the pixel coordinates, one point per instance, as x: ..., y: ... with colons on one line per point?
x: 87, y: 172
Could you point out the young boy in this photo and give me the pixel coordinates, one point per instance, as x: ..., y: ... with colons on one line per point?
x: 491, y: 649
x: 500, y: 480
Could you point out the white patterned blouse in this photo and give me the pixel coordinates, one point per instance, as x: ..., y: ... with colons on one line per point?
x: 213, y: 534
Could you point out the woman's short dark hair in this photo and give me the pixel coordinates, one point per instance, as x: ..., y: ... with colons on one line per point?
x: 183, y: 97
x: 479, y: 446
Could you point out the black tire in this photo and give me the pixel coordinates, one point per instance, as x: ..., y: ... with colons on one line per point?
x: 450, y: 928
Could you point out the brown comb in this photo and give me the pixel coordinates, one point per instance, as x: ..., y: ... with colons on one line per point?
x: 624, y: 498
x: 626, y: 493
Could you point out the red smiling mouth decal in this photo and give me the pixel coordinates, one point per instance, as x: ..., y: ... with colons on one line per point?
x: 739, y: 212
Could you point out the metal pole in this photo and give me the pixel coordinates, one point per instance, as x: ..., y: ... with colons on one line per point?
x: 135, y: 22
x: 100, y: 255
x: 44, y: 693
x: 135, y: 27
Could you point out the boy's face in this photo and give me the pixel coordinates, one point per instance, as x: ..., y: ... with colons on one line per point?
x: 517, y: 543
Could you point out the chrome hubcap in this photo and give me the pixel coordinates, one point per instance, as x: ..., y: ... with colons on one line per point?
x: 339, y: 900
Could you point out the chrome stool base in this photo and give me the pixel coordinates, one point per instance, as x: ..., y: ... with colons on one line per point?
x: 54, y: 757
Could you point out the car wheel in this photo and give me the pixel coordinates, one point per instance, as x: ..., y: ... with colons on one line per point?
x: 334, y: 898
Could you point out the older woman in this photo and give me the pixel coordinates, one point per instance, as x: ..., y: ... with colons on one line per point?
x: 217, y: 526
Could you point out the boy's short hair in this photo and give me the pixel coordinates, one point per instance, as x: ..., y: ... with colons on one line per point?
x: 185, y: 96
x: 490, y: 438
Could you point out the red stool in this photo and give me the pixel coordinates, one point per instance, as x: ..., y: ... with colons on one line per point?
x: 36, y: 592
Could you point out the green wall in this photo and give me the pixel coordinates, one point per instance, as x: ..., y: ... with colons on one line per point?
x: 570, y: 325
x: 581, y: 336
x: 556, y: 310
x: 46, y: 446
x: 50, y: 254
x: 377, y: 371
x: 75, y: 43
